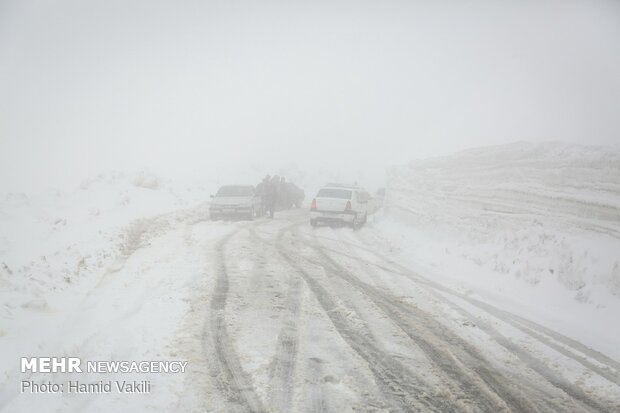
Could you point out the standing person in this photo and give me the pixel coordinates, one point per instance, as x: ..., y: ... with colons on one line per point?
x: 261, y: 190
x: 272, y: 195
x: 284, y: 195
x: 269, y: 196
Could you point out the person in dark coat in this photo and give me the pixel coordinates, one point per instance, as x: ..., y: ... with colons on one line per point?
x: 271, y: 192
x: 261, y: 190
x: 284, y: 195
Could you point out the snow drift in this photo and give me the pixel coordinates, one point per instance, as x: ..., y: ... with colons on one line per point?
x: 538, y: 212
x: 56, y: 241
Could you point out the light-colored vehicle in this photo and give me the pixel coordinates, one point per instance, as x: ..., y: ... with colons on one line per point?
x: 232, y: 201
x: 344, y: 204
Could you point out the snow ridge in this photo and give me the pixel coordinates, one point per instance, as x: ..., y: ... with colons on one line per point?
x: 538, y: 212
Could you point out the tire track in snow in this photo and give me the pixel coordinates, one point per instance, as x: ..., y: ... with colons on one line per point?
x: 543, y: 397
x: 282, y: 370
x: 283, y: 365
x: 610, y: 369
x: 462, y: 364
x: 568, y: 347
x: 528, y: 391
x: 231, y: 380
x: 587, y: 402
x: 402, y: 387
x: 317, y: 398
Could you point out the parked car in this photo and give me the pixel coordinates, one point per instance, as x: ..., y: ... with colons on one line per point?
x: 240, y: 201
x: 294, y: 196
x: 341, y: 204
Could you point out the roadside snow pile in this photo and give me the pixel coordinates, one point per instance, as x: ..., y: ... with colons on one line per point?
x: 70, y: 270
x: 50, y: 241
x: 538, y: 212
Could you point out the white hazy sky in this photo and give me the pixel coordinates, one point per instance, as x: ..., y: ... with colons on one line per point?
x: 181, y: 87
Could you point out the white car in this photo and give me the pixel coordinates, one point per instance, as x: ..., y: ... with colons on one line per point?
x: 344, y: 204
x: 235, y: 201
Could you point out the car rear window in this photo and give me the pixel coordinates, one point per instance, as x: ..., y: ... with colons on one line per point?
x: 235, y: 191
x: 334, y: 193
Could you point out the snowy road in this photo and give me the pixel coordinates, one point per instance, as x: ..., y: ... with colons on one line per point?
x: 298, y: 319
x: 275, y: 316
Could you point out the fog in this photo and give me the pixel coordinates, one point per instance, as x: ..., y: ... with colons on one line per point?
x: 194, y: 88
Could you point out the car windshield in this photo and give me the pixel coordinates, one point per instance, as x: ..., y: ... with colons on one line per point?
x: 334, y: 193
x: 235, y: 191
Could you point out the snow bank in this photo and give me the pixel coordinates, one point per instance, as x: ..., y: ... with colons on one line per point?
x: 538, y: 212
x: 64, y: 258
x: 51, y: 241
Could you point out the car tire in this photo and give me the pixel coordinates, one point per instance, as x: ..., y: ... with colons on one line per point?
x: 313, y: 222
x: 214, y: 218
x: 252, y: 215
x: 355, y: 223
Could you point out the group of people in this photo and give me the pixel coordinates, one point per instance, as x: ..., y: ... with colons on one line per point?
x: 276, y: 193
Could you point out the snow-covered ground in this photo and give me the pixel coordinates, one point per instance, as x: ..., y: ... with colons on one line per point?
x: 277, y: 316
x: 69, y: 285
x: 533, y: 227
x: 54, y: 240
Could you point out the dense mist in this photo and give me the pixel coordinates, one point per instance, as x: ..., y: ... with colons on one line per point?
x: 191, y: 88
